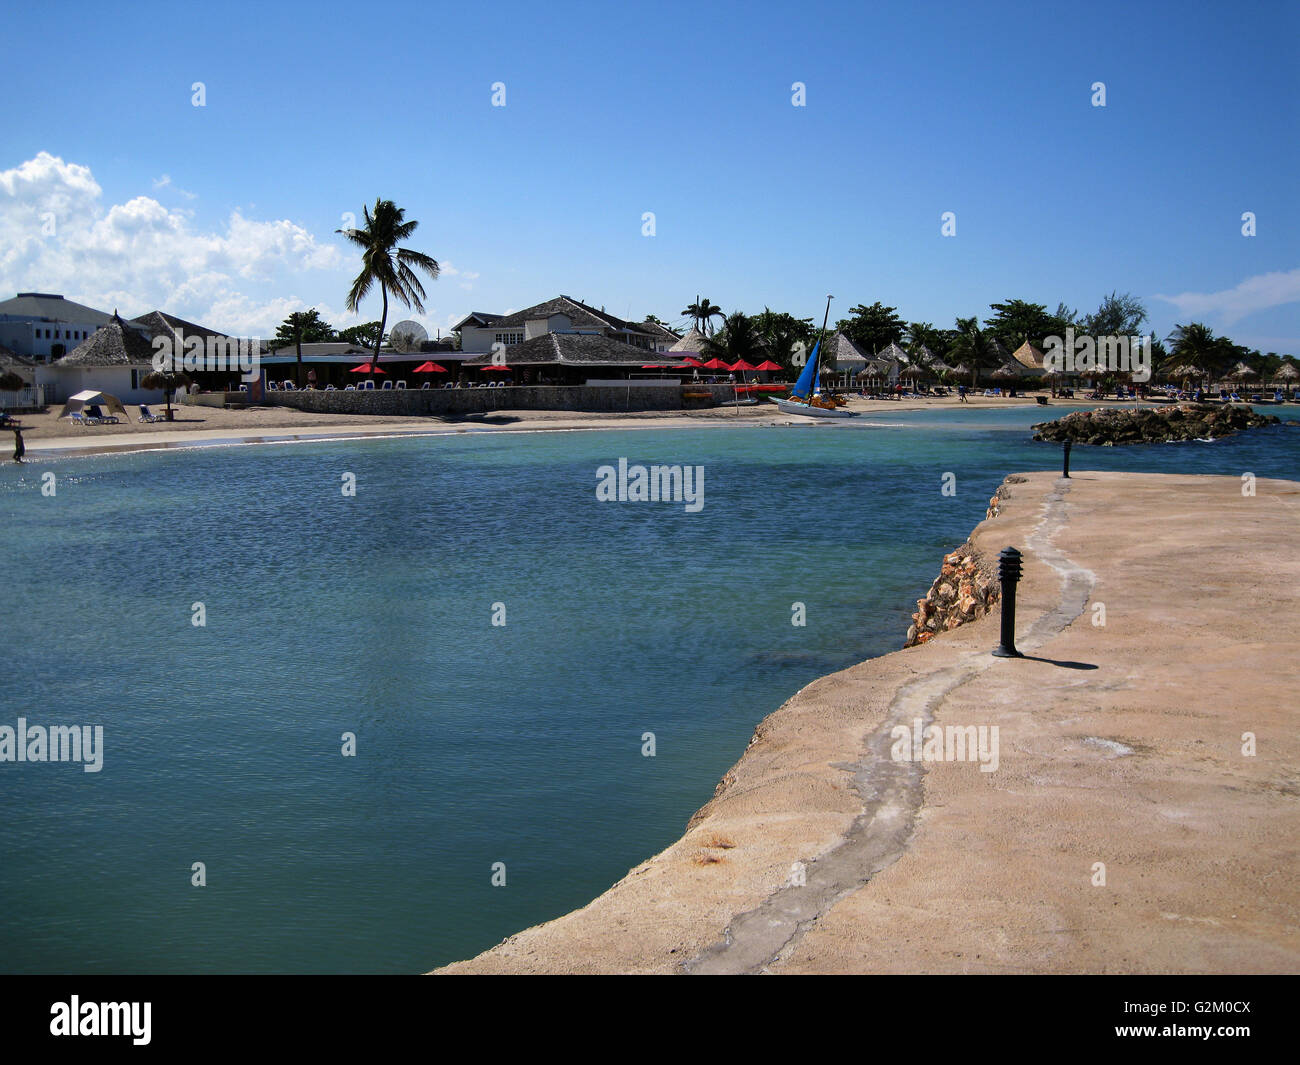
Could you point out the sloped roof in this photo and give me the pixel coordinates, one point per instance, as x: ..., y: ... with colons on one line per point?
x: 692, y: 341
x: 478, y: 318
x: 158, y: 323
x: 1029, y: 356
x: 114, y: 344
x: 53, y: 307
x: 894, y: 352
x: 580, y: 314
x: 657, y: 329
x: 843, y: 352
x: 927, y: 358
x: 568, y: 349
x: 11, y: 359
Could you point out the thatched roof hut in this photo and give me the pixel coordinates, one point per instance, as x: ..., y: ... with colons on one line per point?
x: 692, y: 342
x: 1030, y: 359
x: 114, y: 344
x: 1288, y: 372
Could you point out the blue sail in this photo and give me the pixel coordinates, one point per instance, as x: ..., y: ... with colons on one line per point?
x: 808, y: 379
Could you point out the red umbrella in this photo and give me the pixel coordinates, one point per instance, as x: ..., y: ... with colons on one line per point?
x: 655, y: 366
x: 689, y: 361
x: 495, y: 366
x: 714, y: 364
x: 769, y: 365
x: 742, y: 365
x: 365, y: 368
x: 430, y: 367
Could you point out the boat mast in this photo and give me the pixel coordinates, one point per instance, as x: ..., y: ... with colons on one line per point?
x: 820, y: 337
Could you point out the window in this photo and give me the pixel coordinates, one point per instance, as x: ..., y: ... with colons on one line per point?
x: 509, y: 338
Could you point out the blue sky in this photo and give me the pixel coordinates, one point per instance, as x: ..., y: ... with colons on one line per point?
x: 225, y: 213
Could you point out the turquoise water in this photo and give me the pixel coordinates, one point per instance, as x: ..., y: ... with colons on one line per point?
x: 475, y: 744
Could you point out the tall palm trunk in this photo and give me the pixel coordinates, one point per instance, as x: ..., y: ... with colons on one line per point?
x: 379, y: 337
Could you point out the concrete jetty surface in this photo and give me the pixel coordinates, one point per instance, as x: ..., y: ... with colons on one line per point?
x: 1141, y: 812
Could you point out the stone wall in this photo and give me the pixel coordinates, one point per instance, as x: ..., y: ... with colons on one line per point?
x: 454, y: 401
x: 967, y: 587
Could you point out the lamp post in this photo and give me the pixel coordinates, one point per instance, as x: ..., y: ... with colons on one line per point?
x: 1009, y: 569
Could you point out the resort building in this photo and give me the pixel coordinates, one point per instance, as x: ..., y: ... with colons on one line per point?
x: 115, y: 358
x: 45, y: 326
x: 479, y: 332
x: 565, y: 359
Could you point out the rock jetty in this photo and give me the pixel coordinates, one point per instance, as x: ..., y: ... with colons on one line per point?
x: 1185, y: 421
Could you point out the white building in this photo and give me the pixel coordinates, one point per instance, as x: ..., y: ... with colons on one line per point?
x: 45, y: 326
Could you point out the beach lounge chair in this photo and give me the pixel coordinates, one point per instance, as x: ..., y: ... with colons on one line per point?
x: 270, y: 386
x: 350, y: 388
x: 78, y: 418
x: 368, y: 386
x: 388, y: 386
x: 400, y: 384
x: 289, y: 386
x: 1234, y: 398
x: 424, y: 387
x: 146, y: 415
x: 330, y: 388
x: 101, y: 418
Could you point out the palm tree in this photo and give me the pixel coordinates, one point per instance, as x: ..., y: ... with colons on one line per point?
x: 738, y: 339
x: 701, y: 312
x: 384, y: 262
x: 1194, y: 344
x: 971, y: 345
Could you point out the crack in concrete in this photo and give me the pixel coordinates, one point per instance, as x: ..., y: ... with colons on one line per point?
x: 891, y: 792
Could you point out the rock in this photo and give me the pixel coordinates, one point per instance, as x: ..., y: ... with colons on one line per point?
x: 1187, y: 421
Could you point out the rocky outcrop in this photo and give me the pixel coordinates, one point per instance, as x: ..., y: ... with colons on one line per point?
x: 995, y: 501
x: 964, y: 590
x: 1185, y: 421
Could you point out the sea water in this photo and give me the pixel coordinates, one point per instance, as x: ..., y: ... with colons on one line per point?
x: 513, y: 752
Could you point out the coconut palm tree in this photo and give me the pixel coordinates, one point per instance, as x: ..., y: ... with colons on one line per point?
x: 384, y: 262
x: 971, y: 346
x: 701, y: 312
x: 738, y: 338
x: 1194, y: 344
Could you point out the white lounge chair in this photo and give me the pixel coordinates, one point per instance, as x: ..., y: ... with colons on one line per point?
x: 400, y: 385
x: 388, y: 386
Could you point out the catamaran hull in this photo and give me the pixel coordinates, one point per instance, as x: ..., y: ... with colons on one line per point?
x: 793, y: 406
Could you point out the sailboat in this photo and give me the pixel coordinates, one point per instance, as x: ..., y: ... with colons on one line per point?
x: 806, y: 396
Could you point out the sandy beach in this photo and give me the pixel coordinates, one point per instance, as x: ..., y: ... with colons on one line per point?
x: 196, y: 426
x: 1125, y: 827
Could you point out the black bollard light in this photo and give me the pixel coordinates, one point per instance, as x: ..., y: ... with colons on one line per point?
x: 1066, y: 471
x: 1009, y: 568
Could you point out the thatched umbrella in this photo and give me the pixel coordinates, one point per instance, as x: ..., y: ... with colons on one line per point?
x: 1242, y: 371
x: 1288, y: 372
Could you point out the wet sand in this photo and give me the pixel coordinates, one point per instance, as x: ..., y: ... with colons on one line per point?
x: 1124, y: 829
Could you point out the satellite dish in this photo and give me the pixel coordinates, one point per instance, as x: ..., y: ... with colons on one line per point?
x: 407, y: 336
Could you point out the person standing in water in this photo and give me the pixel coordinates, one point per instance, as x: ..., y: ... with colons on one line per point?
x: 20, y: 449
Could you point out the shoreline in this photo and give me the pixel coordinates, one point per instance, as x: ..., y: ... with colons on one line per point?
x: 820, y: 853
x: 282, y: 425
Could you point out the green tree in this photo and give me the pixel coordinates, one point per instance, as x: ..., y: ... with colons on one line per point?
x: 1015, y: 321
x: 1117, y: 316
x: 738, y: 338
x: 363, y: 334
x: 972, y: 346
x: 385, y: 264
x: 702, y: 312
x: 302, y: 327
x: 782, y: 333
x: 872, y: 328
x: 1195, y: 344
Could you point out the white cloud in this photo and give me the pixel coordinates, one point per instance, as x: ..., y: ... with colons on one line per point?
x: 138, y: 255
x: 1258, y: 293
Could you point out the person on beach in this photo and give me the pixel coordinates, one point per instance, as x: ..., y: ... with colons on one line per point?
x: 20, y: 449
x: 961, y: 393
